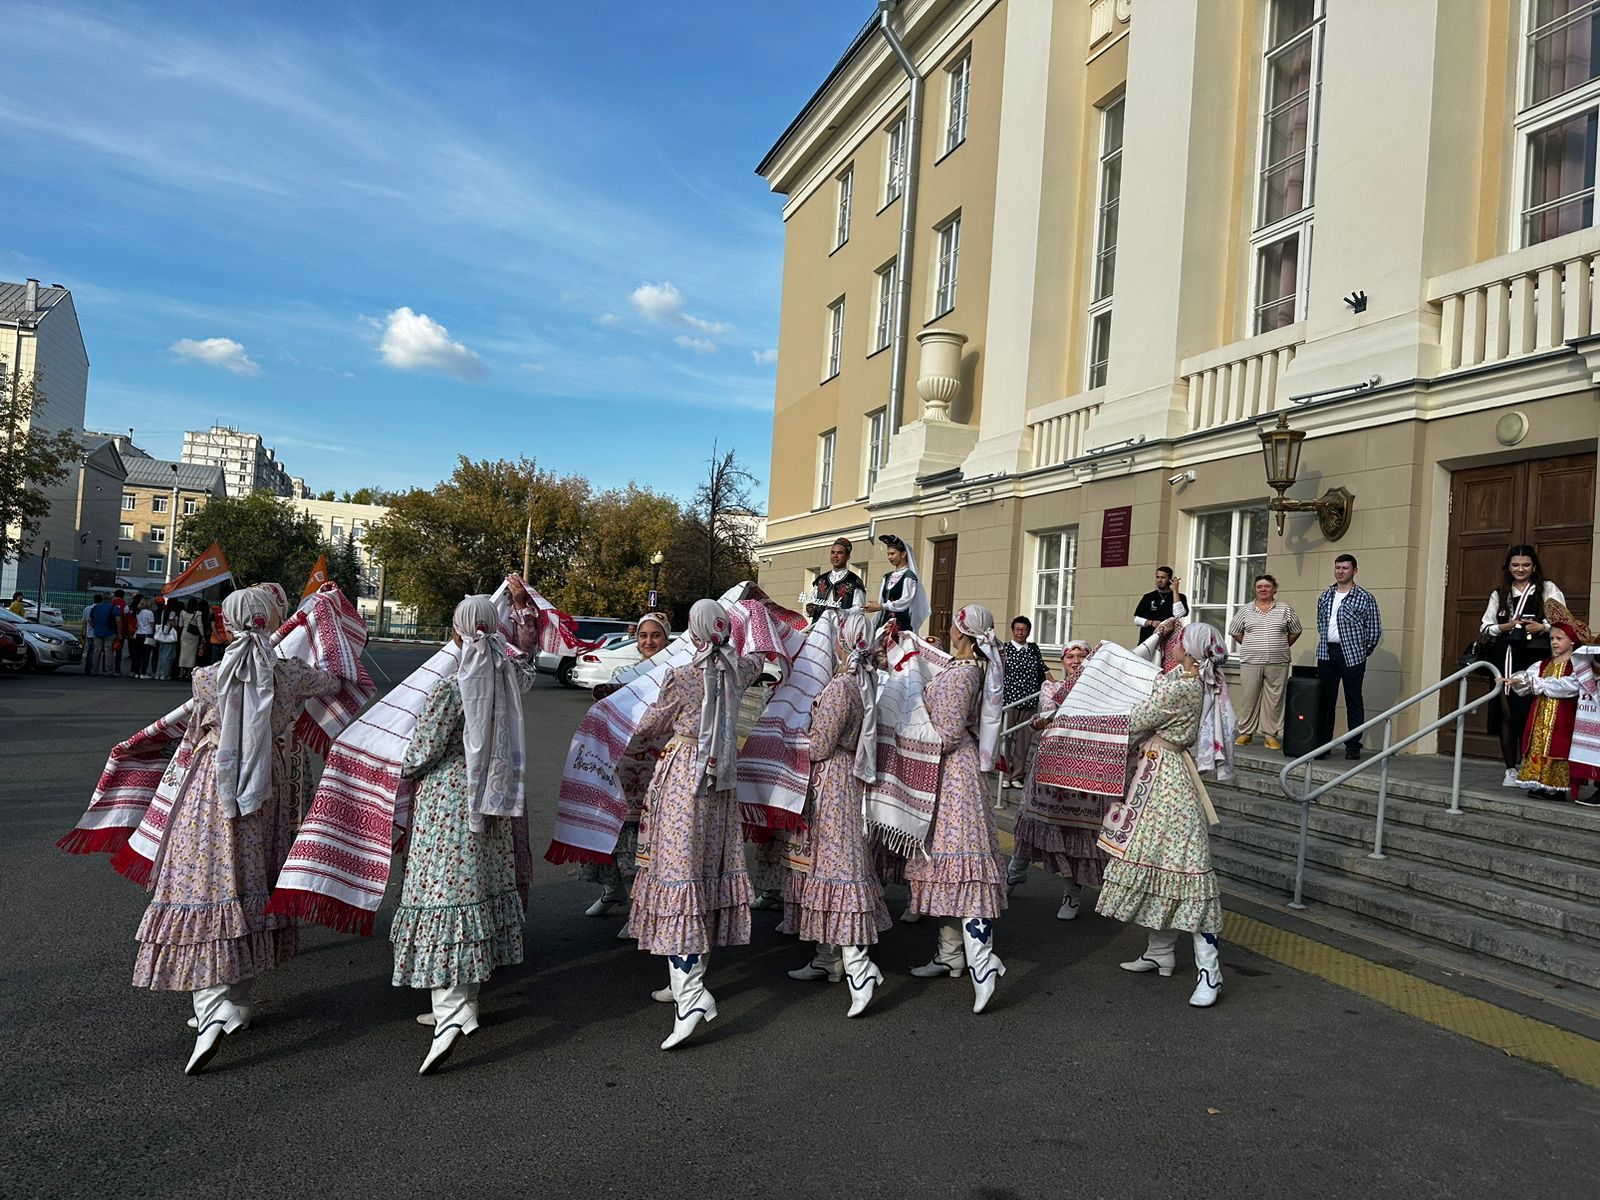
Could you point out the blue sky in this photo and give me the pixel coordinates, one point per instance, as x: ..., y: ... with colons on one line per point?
x: 385, y: 234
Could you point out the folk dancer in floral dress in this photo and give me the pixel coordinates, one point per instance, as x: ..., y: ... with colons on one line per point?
x: 1058, y: 827
x: 206, y: 930
x: 1160, y: 875
x: 961, y: 877
x: 1547, y: 738
x: 839, y: 899
x: 460, y: 913
x: 634, y: 770
x: 692, y: 891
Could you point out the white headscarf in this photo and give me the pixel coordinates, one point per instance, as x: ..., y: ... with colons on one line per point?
x: 977, y: 622
x: 717, y: 757
x: 280, y: 602
x: 656, y: 618
x: 244, y: 682
x: 1213, y: 743
x: 861, y: 662
x: 491, y: 706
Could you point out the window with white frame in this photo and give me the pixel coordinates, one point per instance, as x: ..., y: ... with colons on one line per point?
x: 1286, y: 163
x: 1055, y: 585
x: 159, y: 503
x: 124, y: 562
x: 835, y: 347
x: 1105, y: 243
x: 883, y: 327
x: 847, y: 187
x: 877, y: 446
x: 894, y: 167
x: 190, y: 506
x: 825, y: 449
x: 1230, y: 550
x: 125, y: 532
x: 958, y: 79
x: 128, y: 501
x: 156, y: 564
x: 946, y: 264
x: 158, y: 533
x: 183, y: 564
x: 1558, y: 112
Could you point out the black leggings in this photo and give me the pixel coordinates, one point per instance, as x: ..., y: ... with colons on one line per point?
x: 1513, y: 720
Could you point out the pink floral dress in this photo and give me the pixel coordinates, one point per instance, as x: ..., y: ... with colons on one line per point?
x: 1059, y: 827
x: 207, y: 923
x: 839, y: 900
x: 963, y: 874
x: 692, y: 891
x: 460, y: 914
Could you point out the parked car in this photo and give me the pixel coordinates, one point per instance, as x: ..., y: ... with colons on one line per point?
x: 595, y: 667
x: 44, y: 646
x: 589, y: 629
x: 48, y: 615
x: 12, y: 656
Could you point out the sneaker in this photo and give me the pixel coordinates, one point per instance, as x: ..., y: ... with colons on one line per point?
x: 1273, y: 743
x: 1592, y: 800
x: 1511, y: 780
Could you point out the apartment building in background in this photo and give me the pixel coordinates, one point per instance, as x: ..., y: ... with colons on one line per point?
x: 248, y: 464
x: 1141, y: 235
x: 41, y: 342
x: 157, y: 495
x: 339, y: 521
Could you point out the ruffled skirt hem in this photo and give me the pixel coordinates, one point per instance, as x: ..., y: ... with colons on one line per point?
x: 692, y: 916
x: 1157, y: 899
x: 189, y: 966
x: 1064, y: 850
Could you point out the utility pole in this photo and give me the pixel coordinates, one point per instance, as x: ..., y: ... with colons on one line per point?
x: 172, y: 523
x: 527, y: 545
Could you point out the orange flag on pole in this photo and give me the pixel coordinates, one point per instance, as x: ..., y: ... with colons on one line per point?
x: 209, y: 568
x: 319, y: 576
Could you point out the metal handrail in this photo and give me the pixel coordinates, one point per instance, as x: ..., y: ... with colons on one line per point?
x: 1381, y: 760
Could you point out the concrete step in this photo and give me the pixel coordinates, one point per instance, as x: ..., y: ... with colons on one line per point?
x: 1368, y: 897
x: 1466, y: 842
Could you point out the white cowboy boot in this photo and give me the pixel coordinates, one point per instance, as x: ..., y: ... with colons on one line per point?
x: 455, y: 1014
x: 983, y: 964
x: 239, y: 994
x: 1206, y: 960
x: 1069, y: 902
x: 215, y: 1014
x: 691, y: 1002
x: 826, y: 963
x: 1158, y: 954
x: 864, y: 978
x: 950, y: 959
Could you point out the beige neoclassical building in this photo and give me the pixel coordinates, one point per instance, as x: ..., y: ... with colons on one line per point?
x: 1139, y: 234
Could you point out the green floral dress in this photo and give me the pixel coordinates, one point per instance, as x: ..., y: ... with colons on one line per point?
x: 1165, y: 879
x: 460, y: 915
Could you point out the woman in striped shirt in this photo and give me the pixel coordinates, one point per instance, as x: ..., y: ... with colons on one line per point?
x: 1263, y: 632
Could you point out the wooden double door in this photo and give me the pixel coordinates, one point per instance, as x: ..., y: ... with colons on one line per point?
x: 942, y: 590
x: 1547, y: 503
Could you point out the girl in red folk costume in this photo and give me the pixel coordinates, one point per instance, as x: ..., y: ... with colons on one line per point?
x: 1058, y: 827
x: 460, y: 912
x: 961, y: 876
x: 840, y: 899
x: 1547, y: 737
x: 692, y: 891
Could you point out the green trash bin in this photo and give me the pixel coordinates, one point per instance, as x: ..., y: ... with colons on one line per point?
x: 1300, y: 705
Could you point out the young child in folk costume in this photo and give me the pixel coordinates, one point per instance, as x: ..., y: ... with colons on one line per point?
x: 840, y: 900
x: 692, y: 891
x: 1059, y: 827
x: 961, y: 874
x: 460, y: 913
x: 1547, y: 737
x: 1160, y: 875
x: 634, y: 771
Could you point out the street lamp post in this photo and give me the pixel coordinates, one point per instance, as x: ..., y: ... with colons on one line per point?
x: 172, y: 523
x: 656, y: 560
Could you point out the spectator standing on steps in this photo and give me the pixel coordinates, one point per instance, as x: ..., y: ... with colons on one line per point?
x: 1517, y: 622
x: 1263, y: 631
x: 1165, y: 603
x: 1348, y: 631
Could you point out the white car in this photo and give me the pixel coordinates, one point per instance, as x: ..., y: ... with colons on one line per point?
x: 44, y: 646
x: 597, y: 666
x: 48, y: 615
x: 589, y: 629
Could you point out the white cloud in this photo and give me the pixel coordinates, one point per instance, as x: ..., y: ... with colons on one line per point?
x: 414, y: 341
x: 609, y: 320
x: 765, y: 357
x: 696, y: 345
x: 216, y: 352
x: 658, y: 301
x: 714, y: 328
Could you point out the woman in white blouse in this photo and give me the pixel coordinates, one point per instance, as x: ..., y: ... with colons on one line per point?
x: 1516, y: 620
x: 1263, y: 632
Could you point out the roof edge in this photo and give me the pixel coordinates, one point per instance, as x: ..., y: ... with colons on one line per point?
x: 856, y: 45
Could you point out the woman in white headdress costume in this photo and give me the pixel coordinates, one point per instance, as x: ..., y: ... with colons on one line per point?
x: 961, y: 878
x: 460, y: 913
x: 840, y: 899
x: 206, y: 930
x: 692, y: 891
x: 1163, y: 878
x: 901, y: 594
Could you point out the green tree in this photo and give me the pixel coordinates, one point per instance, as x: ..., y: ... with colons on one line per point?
x: 612, y: 574
x: 366, y: 495
x: 344, y: 566
x: 465, y: 534
x: 716, y: 543
x: 31, y: 461
x: 265, y: 540
x: 327, y: 495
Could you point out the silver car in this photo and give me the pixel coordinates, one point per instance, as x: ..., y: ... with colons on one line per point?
x: 45, y: 646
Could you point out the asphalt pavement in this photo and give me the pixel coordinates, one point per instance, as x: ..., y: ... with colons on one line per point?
x: 1080, y: 1081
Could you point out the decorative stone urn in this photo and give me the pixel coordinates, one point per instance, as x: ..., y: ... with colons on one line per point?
x: 939, y: 375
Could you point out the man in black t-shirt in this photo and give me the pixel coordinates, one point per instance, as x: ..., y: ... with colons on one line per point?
x: 1157, y: 606
x: 839, y: 587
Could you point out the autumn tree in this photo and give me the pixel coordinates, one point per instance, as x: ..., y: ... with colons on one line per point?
x: 612, y: 574
x: 716, y: 544
x: 266, y: 541
x: 32, y: 461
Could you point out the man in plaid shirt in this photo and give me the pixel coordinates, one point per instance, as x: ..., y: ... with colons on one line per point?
x: 1348, y: 631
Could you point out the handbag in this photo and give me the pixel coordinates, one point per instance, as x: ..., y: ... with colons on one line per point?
x: 1480, y: 650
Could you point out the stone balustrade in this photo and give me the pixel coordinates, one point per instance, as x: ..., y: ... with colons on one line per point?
x: 1240, y: 381
x: 1058, y: 429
